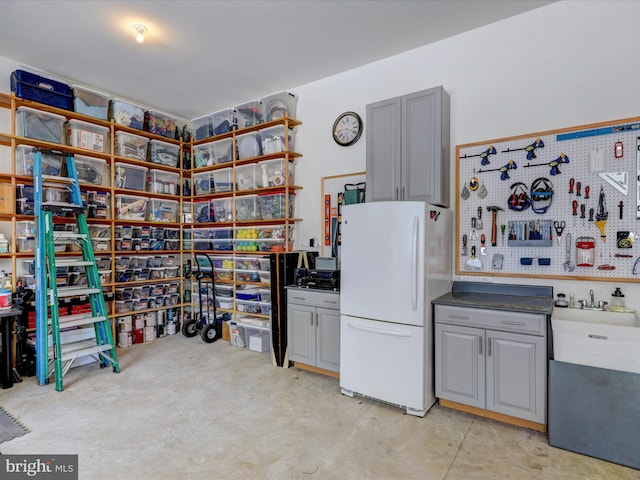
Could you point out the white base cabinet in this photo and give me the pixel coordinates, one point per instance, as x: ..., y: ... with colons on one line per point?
x: 313, y: 328
x: 500, y: 370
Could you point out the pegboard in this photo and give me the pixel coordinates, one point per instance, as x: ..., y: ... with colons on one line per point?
x: 332, y: 189
x: 602, y: 157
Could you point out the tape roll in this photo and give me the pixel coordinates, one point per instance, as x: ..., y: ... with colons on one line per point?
x: 278, y: 179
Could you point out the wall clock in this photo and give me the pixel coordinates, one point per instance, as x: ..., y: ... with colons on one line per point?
x: 347, y: 129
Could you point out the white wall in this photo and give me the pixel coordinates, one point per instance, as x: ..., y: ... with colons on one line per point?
x: 566, y: 64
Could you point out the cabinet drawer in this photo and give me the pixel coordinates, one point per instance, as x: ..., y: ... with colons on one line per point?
x: 317, y: 299
x: 496, y: 319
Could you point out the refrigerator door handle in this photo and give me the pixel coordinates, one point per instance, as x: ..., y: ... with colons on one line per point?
x: 382, y: 331
x: 414, y: 263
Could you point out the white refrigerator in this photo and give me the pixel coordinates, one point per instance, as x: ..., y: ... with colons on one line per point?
x: 395, y: 259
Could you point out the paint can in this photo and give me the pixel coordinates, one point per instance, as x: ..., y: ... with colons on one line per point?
x: 125, y: 339
x: 5, y: 299
x: 138, y: 336
x: 149, y: 334
x: 125, y: 324
x: 171, y: 328
x: 138, y: 322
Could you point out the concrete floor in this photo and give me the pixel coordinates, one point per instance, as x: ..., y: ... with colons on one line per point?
x: 183, y: 409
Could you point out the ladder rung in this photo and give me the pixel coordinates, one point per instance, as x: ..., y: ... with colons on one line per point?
x: 62, y: 207
x: 72, y: 262
x: 78, y: 319
x: 62, y: 235
x: 57, y: 179
x: 82, y: 348
x: 76, y: 291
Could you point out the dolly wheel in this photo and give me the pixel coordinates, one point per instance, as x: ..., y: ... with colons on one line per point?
x: 189, y: 328
x: 209, y: 333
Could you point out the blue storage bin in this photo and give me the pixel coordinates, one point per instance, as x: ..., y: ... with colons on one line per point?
x: 31, y: 86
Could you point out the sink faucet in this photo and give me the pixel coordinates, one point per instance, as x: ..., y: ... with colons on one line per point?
x: 593, y: 303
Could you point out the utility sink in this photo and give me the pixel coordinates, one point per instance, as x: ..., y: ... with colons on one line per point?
x: 597, y: 338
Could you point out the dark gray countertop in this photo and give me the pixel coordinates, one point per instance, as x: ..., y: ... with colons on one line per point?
x: 515, y: 298
x: 308, y: 289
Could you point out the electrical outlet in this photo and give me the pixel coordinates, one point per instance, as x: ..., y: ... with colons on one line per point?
x: 474, y: 278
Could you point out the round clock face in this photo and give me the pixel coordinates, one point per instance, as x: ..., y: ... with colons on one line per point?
x: 347, y: 129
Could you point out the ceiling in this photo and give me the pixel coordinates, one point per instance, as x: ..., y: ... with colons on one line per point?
x: 204, y: 56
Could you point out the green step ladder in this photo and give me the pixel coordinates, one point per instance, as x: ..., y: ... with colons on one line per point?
x: 49, y: 322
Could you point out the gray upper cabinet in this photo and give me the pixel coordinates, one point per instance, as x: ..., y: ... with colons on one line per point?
x: 408, y: 148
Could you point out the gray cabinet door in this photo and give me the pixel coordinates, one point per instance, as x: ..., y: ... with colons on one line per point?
x: 383, y: 151
x: 516, y: 375
x: 425, y: 174
x: 460, y: 364
x: 328, y: 339
x: 301, y: 333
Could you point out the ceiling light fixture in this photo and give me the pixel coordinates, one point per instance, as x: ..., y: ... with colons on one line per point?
x: 140, y: 29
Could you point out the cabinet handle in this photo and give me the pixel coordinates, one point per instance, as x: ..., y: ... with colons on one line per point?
x: 461, y: 317
x: 480, y: 345
x: 300, y: 298
x: 397, y: 198
x: 402, y: 193
x: 332, y: 302
x: 511, y: 322
x: 489, y: 346
x: 311, y: 320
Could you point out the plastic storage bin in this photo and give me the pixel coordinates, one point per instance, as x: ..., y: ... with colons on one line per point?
x: 126, y: 113
x: 213, y: 153
x: 248, y: 306
x: 131, y: 207
x: 162, y: 210
x: 265, y: 308
x: 92, y: 170
x: 202, y: 212
x: 51, y: 164
x: 224, y: 121
x: 224, y: 291
x: 164, y: 153
x: 274, y: 205
x: 88, y: 136
x: 249, y: 145
x: 279, y: 104
x: 250, y: 113
x: 265, y: 295
x: 159, y: 181
x: 248, y: 208
x: 131, y: 145
x: 222, y: 209
x: 89, y: 102
x: 251, y: 276
x: 203, y: 183
x: 25, y: 244
x: 160, y: 123
x: 247, y: 263
x: 26, y: 229
x: 277, y: 139
x: 38, y: 88
x: 201, y: 127
x: 246, y: 176
x: 275, y: 173
x: 223, y: 180
x: 131, y: 177
x: 39, y: 125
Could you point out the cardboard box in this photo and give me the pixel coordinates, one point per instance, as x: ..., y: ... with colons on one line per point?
x: 7, y: 198
x: 259, y: 342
